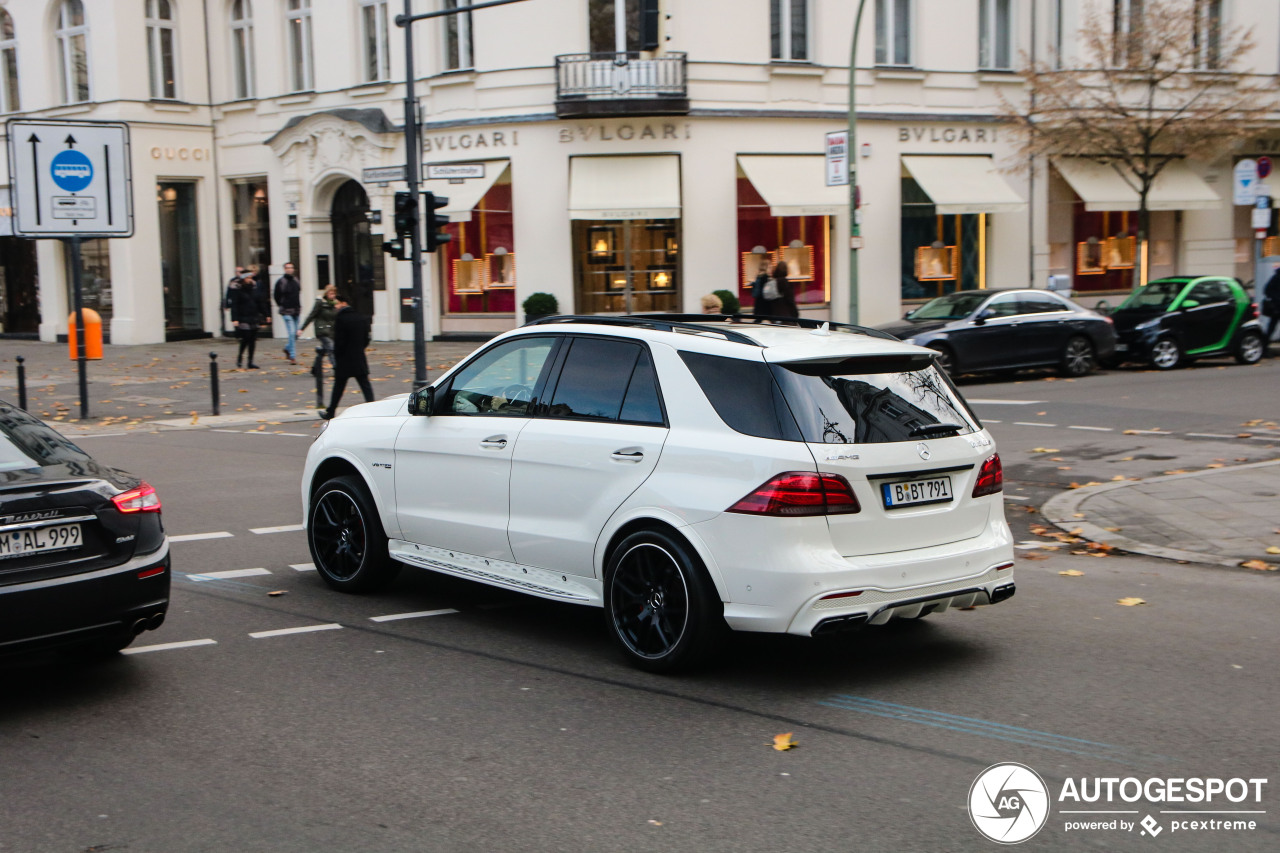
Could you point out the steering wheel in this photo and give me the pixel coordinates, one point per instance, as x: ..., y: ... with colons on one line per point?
x: 516, y: 393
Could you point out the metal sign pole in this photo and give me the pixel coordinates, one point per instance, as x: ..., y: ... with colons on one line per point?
x: 411, y: 178
x: 77, y: 289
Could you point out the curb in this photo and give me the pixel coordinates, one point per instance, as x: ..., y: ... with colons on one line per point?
x: 1060, y: 511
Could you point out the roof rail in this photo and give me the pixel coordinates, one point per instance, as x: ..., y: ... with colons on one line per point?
x: 801, y: 322
x: 678, y: 323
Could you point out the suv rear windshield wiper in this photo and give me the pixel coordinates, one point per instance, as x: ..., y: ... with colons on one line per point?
x: 934, y: 429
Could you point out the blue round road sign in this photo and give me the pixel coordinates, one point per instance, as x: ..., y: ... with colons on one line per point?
x: 71, y: 170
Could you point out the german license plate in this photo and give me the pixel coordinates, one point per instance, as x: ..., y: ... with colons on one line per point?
x: 913, y: 492
x: 33, y: 540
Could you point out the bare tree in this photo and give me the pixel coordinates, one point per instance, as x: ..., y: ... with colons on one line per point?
x: 1156, y: 81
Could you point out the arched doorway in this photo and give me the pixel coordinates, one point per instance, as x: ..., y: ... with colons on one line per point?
x: 353, y: 257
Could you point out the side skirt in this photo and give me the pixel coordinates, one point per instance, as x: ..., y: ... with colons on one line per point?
x: 527, y: 579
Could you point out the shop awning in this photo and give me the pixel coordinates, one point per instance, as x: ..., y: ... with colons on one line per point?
x: 1103, y: 188
x: 794, y: 185
x: 464, y: 196
x: 645, y: 187
x: 958, y: 184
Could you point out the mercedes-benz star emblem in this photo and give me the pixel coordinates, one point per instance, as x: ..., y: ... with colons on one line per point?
x: 923, y: 450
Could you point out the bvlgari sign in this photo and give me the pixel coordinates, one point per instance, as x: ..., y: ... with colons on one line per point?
x: 947, y: 134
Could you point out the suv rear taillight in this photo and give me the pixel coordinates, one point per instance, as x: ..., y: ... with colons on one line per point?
x: 799, y: 493
x: 990, y: 478
x: 141, y: 499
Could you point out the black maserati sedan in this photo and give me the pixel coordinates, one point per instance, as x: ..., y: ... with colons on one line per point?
x: 84, y: 560
x: 983, y: 330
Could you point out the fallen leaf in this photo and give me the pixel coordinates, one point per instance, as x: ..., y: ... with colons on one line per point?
x: 277, y: 592
x: 1129, y: 602
x: 1044, y: 450
x: 244, y: 390
x: 1042, y: 413
x: 1032, y: 555
x: 1112, y: 529
x: 655, y: 822
x: 1176, y: 471
x: 1056, y: 459
x: 1272, y: 549
x: 194, y: 417
x: 1119, y: 477
x: 1214, y: 465
x: 1077, y: 532
x: 783, y: 742
x: 1126, y: 459
x: 1258, y: 566
x: 1072, y: 573
x: 1244, y: 435
x: 1064, y: 467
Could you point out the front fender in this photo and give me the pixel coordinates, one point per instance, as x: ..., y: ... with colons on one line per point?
x: 379, y: 482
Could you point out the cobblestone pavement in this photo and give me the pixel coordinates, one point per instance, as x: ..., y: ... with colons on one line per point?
x: 157, y: 386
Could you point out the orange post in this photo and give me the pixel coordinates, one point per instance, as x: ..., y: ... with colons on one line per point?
x: 92, y: 334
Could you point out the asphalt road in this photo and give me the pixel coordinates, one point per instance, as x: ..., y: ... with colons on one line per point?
x: 487, y: 721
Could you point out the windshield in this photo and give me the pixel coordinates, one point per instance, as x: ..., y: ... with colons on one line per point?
x: 953, y: 306
x: 844, y: 406
x: 1156, y: 295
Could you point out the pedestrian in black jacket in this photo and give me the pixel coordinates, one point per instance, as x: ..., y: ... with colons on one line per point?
x: 1271, y: 308
x: 246, y: 313
x: 288, y: 296
x: 350, y: 337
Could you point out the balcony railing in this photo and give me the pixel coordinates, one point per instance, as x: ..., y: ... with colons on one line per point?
x: 620, y: 83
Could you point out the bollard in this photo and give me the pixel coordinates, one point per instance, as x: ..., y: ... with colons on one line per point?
x: 213, y: 382
x: 317, y: 370
x: 22, y: 384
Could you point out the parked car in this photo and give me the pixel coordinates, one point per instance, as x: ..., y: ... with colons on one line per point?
x: 982, y: 330
x: 1172, y: 321
x: 84, y: 560
x: 683, y: 473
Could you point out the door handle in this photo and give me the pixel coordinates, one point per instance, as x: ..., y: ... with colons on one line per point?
x: 628, y: 454
x: 498, y: 441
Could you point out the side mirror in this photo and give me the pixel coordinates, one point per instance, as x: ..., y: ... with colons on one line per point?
x: 1188, y: 304
x: 980, y: 319
x: 422, y: 402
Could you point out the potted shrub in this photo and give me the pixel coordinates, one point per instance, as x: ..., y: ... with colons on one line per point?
x: 728, y: 302
x: 539, y: 305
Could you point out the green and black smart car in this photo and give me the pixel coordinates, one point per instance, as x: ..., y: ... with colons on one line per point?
x: 1172, y: 321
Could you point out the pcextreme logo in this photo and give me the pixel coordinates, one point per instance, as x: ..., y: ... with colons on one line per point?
x: 1009, y: 803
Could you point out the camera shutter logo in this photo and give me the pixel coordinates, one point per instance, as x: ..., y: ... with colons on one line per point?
x: 1008, y: 803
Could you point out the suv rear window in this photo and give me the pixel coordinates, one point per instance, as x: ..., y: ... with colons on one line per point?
x: 851, y: 401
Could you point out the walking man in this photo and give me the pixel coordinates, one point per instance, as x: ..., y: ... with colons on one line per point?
x: 288, y: 296
x: 350, y: 337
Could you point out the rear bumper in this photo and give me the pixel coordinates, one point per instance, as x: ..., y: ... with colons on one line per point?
x: 68, y: 610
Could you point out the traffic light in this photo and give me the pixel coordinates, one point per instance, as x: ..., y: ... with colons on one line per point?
x: 435, y: 233
x: 395, y: 249
x: 406, y: 217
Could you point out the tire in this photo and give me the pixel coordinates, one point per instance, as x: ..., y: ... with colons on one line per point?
x: 660, y: 607
x: 346, y: 538
x: 1250, y: 348
x: 1166, y: 354
x: 1078, y: 357
x: 946, y: 359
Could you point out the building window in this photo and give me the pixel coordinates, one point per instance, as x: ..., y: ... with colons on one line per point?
x: 801, y: 243
x: 995, y: 35
x: 164, y: 81
x: 242, y: 48
x: 9, y: 101
x: 298, y: 24
x: 479, y: 264
x: 1126, y: 32
x: 373, y: 26
x: 893, y: 32
x: 789, y: 30
x: 1208, y: 35
x: 73, y: 52
x: 457, y: 37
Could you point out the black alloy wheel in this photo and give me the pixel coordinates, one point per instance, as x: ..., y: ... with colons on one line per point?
x: 659, y: 604
x: 346, y: 537
x: 1077, y: 357
x: 1250, y: 348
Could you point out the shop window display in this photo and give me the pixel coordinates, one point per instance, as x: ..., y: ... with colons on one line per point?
x: 800, y: 242
x: 479, y: 263
x: 627, y: 266
x: 941, y: 254
x: 1106, y: 249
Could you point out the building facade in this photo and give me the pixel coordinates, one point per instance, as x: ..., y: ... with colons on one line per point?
x: 622, y: 155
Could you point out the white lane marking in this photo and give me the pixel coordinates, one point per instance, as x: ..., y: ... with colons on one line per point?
x: 1032, y: 423
x: 1094, y: 429
x: 1004, y: 402
x: 394, y: 616
x: 164, y: 647
x: 1148, y: 432
x: 195, y: 537
x: 1016, y: 498
x: 1209, y: 435
x: 1265, y: 437
x: 332, y: 626
x: 236, y: 431
x: 295, y: 434
x: 102, y: 435
x: 284, y: 528
x: 991, y: 421
x: 232, y: 573
x: 303, y: 567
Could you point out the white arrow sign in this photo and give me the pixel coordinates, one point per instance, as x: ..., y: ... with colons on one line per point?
x: 70, y: 179
x: 1244, y: 184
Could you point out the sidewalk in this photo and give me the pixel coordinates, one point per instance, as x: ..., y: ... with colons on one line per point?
x: 1221, y: 516
x: 166, y: 386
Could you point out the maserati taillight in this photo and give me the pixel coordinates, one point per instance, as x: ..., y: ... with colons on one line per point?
x: 141, y: 499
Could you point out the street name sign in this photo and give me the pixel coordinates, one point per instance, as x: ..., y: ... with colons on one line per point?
x: 70, y: 179
x: 454, y: 171
x: 383, y: 174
